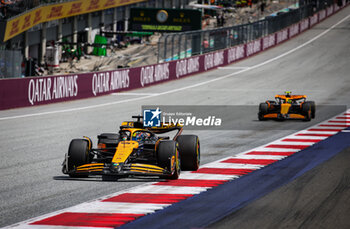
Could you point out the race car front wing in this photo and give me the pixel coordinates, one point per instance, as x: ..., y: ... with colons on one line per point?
x: 119, y: 169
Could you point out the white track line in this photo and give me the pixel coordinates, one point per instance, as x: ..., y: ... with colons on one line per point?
x: 308, y: 137
x: 264, y: 149
x: 116, y: 207
x: 260, y: 157
x: 293, y: 143
x: 133, y: 93
x: 187, y: 87
x: 317, y: 132
x: 168, y: 189
x: 205, y: 176
x: 233, y: 68
x: 220, y: 165
x: 329, y: 126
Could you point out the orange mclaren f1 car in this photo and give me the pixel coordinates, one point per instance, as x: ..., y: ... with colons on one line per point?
x: 287, y: 106
x: 134, y: 151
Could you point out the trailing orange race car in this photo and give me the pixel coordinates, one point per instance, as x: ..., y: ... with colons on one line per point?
x: 134, y: 151
x: 287, y: 106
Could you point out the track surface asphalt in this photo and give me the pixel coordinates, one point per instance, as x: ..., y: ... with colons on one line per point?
x: 318, y: 199
x: 32, y: 147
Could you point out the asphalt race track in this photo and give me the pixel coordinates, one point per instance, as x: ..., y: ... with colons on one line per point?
x: 317, y: 199
x: 33, y: 140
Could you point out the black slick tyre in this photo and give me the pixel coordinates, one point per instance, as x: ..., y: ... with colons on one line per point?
x: 263, y: 110
x: 189, y: 148
x: 313, y: 108
x: 168, y: 158
x: 306, y: 111
x: 78, y: 154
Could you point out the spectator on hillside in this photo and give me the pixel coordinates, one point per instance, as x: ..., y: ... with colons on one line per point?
x: 262, y: 7
x: 3, y: 11
x: 10, y: 8
x: 220, y: 20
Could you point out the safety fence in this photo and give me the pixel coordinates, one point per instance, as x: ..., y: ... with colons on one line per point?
x: 44, y: 90
x: 7, y: 68
x: 181, y: 45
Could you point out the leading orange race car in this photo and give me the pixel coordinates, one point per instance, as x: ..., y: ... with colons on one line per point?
x: 287, y: 106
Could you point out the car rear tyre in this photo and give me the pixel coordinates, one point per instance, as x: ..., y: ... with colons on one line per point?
x: 313, y: 108
x: 189, y: 148
x: 169, y: 158
x: 306, y: 111
x: 78, y: 154
x: 263, y: 110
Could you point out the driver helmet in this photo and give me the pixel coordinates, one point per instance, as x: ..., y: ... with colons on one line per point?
x: 140, y: 137
x: 124, y: 135
x: 288, y: 93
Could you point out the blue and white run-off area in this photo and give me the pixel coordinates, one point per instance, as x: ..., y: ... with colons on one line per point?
x: 244, y: 172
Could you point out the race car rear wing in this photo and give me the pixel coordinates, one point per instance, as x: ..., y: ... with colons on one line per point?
x: 292, y: 97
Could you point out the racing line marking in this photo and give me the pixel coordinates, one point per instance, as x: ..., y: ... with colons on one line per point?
x: 187, y: 87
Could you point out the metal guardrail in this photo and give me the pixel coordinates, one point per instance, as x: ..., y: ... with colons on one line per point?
x: 176, y: 46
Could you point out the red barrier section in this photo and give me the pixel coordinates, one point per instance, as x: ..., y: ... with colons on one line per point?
x: 51, y: 89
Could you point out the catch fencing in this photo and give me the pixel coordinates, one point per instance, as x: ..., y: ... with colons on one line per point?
x: 7, y: 68
x: 176, y: 46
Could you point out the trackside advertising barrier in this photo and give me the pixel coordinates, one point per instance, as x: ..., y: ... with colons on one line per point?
x: 33, y: 91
